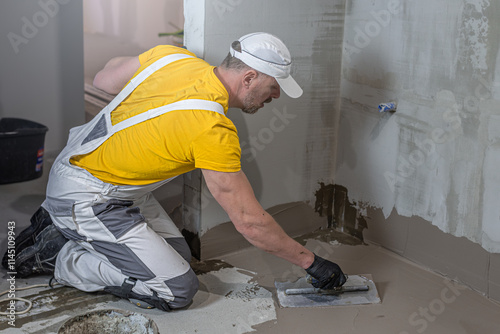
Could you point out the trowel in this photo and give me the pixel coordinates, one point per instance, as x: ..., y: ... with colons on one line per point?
x: 334, y: 291
x: 358, y: 289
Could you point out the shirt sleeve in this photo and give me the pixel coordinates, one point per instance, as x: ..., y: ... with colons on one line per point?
x: 218, y: 148
x: 143, y: 57
x: 160, y: 51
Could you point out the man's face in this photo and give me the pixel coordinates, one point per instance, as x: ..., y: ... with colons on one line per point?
x: 266, y: 89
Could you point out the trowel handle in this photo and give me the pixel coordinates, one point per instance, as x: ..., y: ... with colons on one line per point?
x: 353, y: 288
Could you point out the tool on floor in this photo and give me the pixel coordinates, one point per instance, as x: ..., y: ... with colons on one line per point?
x: 307, y: 291
x: 335, y: 291
x: 358, y: 289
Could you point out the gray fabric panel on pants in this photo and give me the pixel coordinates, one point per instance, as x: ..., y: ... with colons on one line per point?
x: 183, y: 288
x: 98, y: 131
x: 124, y: 259
x: 180, y: 245
x: 71, y: 234
x: 117, y: 216
x: 58, y: 206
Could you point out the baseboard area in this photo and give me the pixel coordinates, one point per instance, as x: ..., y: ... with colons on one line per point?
x: 423, y: 243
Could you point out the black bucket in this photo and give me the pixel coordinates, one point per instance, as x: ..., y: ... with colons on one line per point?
x: 21, y: 150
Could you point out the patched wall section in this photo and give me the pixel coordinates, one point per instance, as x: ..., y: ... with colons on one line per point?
x: 332, y: 201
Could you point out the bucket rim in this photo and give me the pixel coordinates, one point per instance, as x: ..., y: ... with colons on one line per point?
x: 36, y: 128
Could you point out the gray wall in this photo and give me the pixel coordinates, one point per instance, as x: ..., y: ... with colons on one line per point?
x: 41, y: 79
x: 288, y: 146
x: 42, y: 65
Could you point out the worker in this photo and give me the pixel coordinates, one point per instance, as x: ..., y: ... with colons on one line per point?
x: 101, y: 229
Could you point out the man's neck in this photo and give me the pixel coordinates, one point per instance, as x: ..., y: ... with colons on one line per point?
x: 229, y: 80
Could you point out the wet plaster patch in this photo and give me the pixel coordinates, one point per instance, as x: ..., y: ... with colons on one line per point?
x: 332, y: 201
x: 228, y: 301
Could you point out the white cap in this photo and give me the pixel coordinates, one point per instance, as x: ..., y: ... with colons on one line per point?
x: 268, y: 54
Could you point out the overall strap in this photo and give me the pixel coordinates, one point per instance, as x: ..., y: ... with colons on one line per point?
x: 139, y: 78
x: 189, y: 104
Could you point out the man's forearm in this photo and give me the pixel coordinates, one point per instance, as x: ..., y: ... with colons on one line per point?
x: 265, y: 233
x: 235, y: 195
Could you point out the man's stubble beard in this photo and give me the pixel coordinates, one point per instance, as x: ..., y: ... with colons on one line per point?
x: 249, y: 104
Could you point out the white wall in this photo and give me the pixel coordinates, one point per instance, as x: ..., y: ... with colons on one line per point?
x: 437, y: 156
x: 288, y: 146
x: 42, y: 65
x: 134, y: 21
x: 115, y: 28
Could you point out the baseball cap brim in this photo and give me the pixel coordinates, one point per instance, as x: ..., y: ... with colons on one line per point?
x: 290, y: 87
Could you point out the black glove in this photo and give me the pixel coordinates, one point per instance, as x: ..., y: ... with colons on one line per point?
x: 326, y: 275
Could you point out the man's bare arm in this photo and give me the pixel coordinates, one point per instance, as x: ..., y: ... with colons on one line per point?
x: 116, y: 73
x: 234, y: 193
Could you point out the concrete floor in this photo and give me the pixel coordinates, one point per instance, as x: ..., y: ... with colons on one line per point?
x: 237, y: 293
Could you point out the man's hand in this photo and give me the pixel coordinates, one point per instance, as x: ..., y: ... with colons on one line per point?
x: 326, y: 275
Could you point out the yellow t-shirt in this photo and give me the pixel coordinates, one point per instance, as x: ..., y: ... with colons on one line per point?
x: 173, y: 143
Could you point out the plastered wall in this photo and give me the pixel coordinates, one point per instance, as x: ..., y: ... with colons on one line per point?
x: 433, y: 161
x: 436, y: 157
x: 289, y: 145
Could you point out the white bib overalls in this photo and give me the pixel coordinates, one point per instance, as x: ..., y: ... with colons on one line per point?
x: 121, y: 239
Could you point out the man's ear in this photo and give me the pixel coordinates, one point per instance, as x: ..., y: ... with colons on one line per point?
x: 249, y: 78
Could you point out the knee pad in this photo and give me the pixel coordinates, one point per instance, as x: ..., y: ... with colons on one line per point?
x: 125, y: 291
x: 183, y: 288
